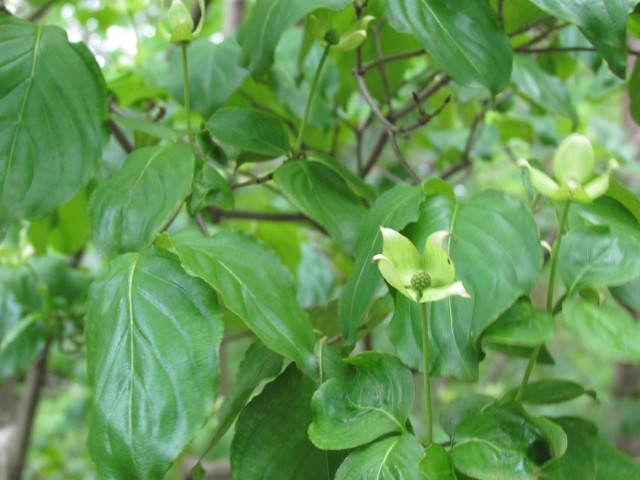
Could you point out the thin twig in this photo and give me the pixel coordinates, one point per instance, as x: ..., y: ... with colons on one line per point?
x: 201, y: 225
x: 254, y: 181
x: 27, y: 412
x: 501, y: 13
x: 541, y: 36
x: 218, y: 213
x: 566, y: 49
x: 530, y: 25
x: 375, y: 154
x: 381, y: 68
x: 422, y: 96
x: 120, y: 136
x: 41, y: 11
x: 390, y: 58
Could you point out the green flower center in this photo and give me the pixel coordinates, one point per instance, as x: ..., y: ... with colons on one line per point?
x: 332, y: 37
x: 420, y: 280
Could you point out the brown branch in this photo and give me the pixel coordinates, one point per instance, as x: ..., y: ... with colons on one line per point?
x: 201, y: 225
x: 26, y: 414
x: 566, y: 49
x: 422, y: 95
x: 120, y: 136
x: 218, y: 213
x: 501, y: 13
x: 381, y: 68
x: 541, y: 36
x: 255, y: 181
x: 391, y: 58
x: 375, y: 154
x: 41, y: 11
x: 530, y: 25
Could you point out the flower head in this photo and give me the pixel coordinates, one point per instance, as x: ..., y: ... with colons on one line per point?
x: 422, y: 279
x: 320, y: 27
x: 180, y: 23
x: 574, y: 170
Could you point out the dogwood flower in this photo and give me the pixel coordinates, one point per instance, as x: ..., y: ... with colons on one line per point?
x: 574, y: 170
x: 422, y: 279
x: 180, y: 23
x: 320, y: 26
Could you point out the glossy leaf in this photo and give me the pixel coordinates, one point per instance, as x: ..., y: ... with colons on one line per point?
x: 322, y: 195
x: 608, y: 331
x: 393, y: 458
x: 437, y: 464
x: 549, y: 391
x: 254, y: 285
x: 521, y: 326
x: 250, y: 129
x: 495, y: 246
x: 604, y: 211
x: 622, y: 195
x: 129, y: 209
x: 604, y: 23
x: 588, y: 457
x: 456, y: 35
x: 260, y: 33
x: 214, y: 74
x: 505, y: 443
x: 352, y: 411
x: 153, y: 334
x: 271, y: 433
x: 50, y: 136
x: 596, y: 256
x: 393, y: 209
x: 546, y: 91
x: 462, y: 408
x: 259, y: 364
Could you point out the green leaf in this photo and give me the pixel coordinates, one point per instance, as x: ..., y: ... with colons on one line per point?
x: 259, y: 364
x: 271, y: 433
x: 352, y: 411
x: 155, y: 129
x: 354, y: 182
x: 393, y: 458
x: 50, y: 134
x: 321, y: 194
x: 255, y: 286
x: 393, y: 209
x: 153, y: 334
x: 66, y: 230
x: 129, y: 209
x: 209, y: 188
x: 604, y: 211
x: 437, y: 464
x: 596, y: 256
x: 260, y: 32
x: 588, y: 457
x: 214, y: 74
x: 505, y: 443
x: 628, y: 294
x: 462, y: 408
x: 630, y: 201
x: 544, y: 90
x: 495, y: 247
x: 603, y: 22
x: 549, y: 391
x: 521, y: 326
x: 456, y: 35
x: 608, y: 331
x: 250, y: 129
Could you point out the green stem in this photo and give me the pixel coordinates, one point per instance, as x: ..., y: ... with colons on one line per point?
x: 550, y: 308
x: 187, y: 104
x: 425, y: 367
x: 307, y: 108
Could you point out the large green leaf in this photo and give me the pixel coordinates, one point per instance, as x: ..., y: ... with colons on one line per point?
x: 393, y: 209
x: 596, y: 256
x: 549, y: 391
x: 605, y: 211
x: 604, y: 23
x: 437, y: 463
x: 271, y: 433
x: 495, y: 248
x: 393, y: 458
x: 520, y: 326
x: 457, y: 35
x: 254, y: 285
x: 129, y: 208
x: 588, y: 457
x: 214, y: 73
x: 52, y: 104
x: 505, y: 443
x: 628, y: 294
x: 153, y: 334
x: 357, y: 409
x: 322, y: 195
x: 544, y: 90
x: 608, y: 330
x: 259, y: 364
x: 260, y: 33
x: 251, y: 130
